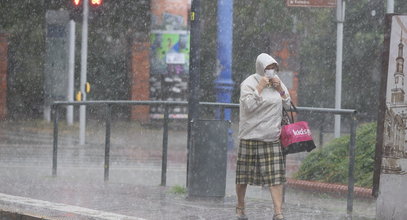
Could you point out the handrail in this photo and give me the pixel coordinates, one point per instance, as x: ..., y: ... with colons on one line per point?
x: 55, y: 110
x: 119, y: 102
x: 218, y: 104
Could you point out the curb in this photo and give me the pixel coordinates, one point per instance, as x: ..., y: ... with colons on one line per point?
x: 9, y: 215
x: 331, y: 188
x: 22, y: 207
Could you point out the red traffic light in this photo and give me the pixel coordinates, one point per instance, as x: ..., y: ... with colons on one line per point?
x: 77, y: 3
x: 95, y: 3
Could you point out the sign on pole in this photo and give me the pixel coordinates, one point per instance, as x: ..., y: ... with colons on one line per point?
x: 312, y: 3
x: 56, y: 57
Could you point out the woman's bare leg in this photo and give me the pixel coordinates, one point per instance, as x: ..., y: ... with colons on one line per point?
x: 277, y: 196
x: 241, y: 193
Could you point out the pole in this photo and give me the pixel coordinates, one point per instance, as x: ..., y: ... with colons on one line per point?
x: 165, y: 148
x: 390, y: 6
x: 340, y: 18
x: 84, y: 57
x: 224, y: 82
x: 351, y: 175
x: 107, y: 141
x: 194, y: 74
x: 71, y: 70
x: 55, y: 113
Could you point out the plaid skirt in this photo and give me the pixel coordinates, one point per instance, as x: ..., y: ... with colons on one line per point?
x: 260, y: 163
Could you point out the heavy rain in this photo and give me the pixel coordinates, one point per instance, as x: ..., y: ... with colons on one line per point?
x: 124, y: 109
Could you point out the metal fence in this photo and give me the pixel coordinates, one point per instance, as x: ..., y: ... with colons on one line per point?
x: 166, y: 104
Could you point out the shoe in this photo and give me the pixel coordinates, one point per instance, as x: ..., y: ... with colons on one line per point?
x: 278, y: 217
x: 240, y: 214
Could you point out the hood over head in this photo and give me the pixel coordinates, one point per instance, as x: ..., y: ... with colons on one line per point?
x: 262, y: 61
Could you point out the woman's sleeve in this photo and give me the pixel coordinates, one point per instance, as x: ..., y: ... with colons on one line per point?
x: 250, y: 98
x: 287, y: 100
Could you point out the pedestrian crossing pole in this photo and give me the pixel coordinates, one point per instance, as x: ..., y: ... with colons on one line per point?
x: 84, y: 60
x: 71, y: 72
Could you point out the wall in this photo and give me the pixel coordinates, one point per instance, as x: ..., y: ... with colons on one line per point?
x: 140, y: 75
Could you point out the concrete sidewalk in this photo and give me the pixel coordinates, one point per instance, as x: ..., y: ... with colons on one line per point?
x: 133, y: 191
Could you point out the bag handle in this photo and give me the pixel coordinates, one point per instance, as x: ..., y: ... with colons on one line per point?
x: 292, y: 109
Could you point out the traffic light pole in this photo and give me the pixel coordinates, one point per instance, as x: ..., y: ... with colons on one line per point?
x: 84, y: 60
x: 71, y: 68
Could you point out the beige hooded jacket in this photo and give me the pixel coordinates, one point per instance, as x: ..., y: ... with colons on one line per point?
x: 261, y: 114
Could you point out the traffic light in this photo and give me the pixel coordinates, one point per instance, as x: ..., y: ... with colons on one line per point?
x: 95, y: 3
x: 77, y: 3
x: 75, y: 8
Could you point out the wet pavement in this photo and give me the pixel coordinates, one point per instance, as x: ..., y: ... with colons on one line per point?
x: 133, y: 190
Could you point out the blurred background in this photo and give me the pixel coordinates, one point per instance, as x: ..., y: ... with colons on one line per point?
x: 140, y: 50
x: 303, y: 40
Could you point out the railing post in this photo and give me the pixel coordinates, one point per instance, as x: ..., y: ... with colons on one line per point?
x: 351, y: 180
x: 107, y: 140
x: 321, y: 133
x: 55, y: 113
x: 165, y: 148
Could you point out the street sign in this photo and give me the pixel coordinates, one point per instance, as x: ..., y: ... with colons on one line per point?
x: 312, y: 3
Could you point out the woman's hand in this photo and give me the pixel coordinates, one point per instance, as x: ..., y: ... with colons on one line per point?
x: 276, y: 84
x: 264, y: 81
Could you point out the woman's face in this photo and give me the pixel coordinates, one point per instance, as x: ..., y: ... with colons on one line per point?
x: 271, y: 67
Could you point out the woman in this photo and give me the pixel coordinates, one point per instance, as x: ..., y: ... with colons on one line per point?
x: 260, y: 159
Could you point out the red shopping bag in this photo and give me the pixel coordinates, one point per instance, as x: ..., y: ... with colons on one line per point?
x: 296, y: 137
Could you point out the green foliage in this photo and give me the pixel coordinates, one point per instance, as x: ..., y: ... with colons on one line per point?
x: 330, y: 164
x: 177, y: 189
x: 23, y: 23
x: 362, y: 46
x: 112, y: 30
x: 208, y: 50
x: 255, y: 22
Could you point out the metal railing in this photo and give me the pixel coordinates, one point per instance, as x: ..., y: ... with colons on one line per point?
x: 55, y: 111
